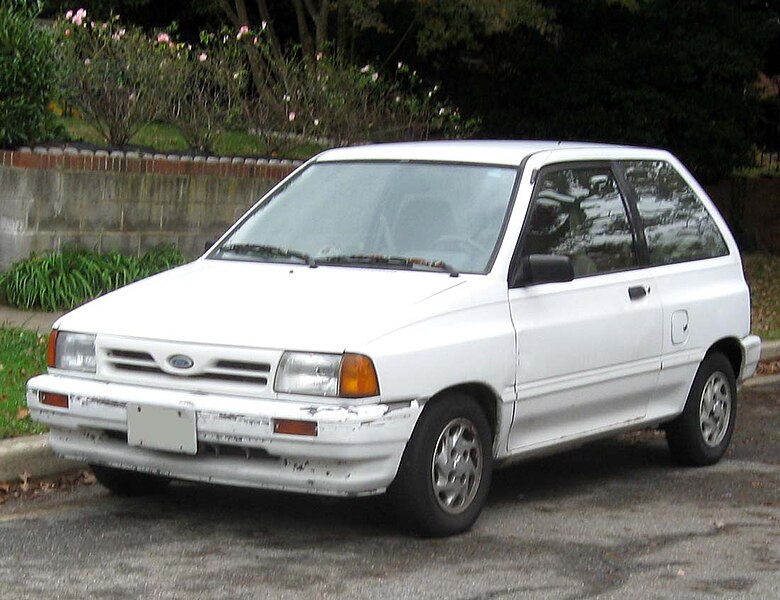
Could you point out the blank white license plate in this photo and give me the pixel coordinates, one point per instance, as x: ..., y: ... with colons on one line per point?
x: 171, y: 429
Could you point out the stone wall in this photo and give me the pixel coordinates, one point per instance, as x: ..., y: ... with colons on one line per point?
x: 50, y: 197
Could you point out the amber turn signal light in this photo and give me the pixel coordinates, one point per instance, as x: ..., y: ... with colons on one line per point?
x: 50, y: 399
x: 294, y: 427
x: 357, y: 378
x: 51, y: 349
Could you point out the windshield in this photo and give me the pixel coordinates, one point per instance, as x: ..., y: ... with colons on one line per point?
x: 432, y: 216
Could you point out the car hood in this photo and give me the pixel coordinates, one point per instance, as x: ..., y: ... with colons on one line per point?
x: 263, y: 305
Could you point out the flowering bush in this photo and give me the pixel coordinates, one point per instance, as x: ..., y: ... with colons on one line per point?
x: 327, y: 97
x: 205, y: 87
x: 121, y: 79
x: 115, y: 75
x: 28, y: 75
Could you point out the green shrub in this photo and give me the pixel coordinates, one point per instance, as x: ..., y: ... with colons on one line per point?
x: 63, y: 280
x: 28, y: 75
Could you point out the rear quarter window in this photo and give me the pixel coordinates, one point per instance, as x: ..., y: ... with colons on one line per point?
x: 676, y: 224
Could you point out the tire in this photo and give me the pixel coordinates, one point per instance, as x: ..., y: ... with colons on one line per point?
x: 438, y: 493
x: 129, y: 483
x: 701, y: 434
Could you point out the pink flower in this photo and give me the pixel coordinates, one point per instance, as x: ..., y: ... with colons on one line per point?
x: 375, y: 76
x: 254, y: 40
x: 67, y: 32
x: 163, y: 38
x: 263, y: 25
x: 242, y: 32
x: 316, y: 122
x: 318, y: 56
x: 69, y: 15
x: 79, y: 16
x: 202, y: 57
x: 87, y: 61
x: 365, y: 69
x: 291, y: 116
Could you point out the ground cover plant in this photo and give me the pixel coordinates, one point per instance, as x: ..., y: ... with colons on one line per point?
x: 165, y: 138
x: 22, y: 355
x: 63, y: 280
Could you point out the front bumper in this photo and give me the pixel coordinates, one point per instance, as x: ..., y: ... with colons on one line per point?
x: 356, y: 451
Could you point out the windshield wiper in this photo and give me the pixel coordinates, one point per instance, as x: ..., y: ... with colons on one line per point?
x: 266, y: 250
x: 392, y: 261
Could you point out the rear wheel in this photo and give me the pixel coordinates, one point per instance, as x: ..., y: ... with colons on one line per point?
x: 129, y: 483
x: 445, y: 472
x: 701, y: 434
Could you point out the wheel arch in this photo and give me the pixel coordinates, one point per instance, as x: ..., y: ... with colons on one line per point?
x: 732, y: 350
x: 483, y: 395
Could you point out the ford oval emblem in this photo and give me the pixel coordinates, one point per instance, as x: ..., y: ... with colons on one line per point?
x: 179, y: 361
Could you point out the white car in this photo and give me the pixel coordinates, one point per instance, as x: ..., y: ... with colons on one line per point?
x: 404, y: 318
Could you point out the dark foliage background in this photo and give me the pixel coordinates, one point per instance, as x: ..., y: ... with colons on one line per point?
x: 678, y: 74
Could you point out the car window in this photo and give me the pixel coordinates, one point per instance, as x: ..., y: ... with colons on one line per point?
x: 580, y: 213
x: 378, y: 214
x: 677, y: 225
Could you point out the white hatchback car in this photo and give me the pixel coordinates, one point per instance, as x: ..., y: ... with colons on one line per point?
x: 405, y: 318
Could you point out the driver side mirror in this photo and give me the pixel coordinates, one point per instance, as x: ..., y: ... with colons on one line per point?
x: 542, y: 268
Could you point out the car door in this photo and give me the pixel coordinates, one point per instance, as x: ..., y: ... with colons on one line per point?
x: 588, y: 350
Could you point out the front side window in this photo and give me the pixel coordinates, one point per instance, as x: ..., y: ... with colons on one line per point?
x: 579, y: 213
x: 381, y: 214
x: 677, y: 225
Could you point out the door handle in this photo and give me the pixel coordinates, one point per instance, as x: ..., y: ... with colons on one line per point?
x: 638, y: 291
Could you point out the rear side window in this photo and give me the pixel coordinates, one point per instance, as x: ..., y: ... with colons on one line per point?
x: 677, y: 226
x: 580, y: 213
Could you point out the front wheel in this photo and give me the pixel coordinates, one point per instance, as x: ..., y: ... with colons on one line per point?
x: 445, y: 472
x: 701, y: 434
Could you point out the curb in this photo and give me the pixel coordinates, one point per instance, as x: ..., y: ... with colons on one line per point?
x: 32, y: 458
x: 770, y: 350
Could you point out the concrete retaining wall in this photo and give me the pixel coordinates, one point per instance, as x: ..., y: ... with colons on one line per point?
x: 50, y: 197
x: 122, y: 201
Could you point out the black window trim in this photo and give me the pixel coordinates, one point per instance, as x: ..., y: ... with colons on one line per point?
x: 632, y: 213
x: 631, y: 197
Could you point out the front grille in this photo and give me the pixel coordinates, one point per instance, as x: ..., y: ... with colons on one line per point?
x: 209, y: 369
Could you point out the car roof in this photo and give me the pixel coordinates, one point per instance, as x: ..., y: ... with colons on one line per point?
x: 499, y: 152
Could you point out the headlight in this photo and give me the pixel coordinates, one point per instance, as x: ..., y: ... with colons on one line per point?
x: 72, y: 351
x: 335, y: 375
